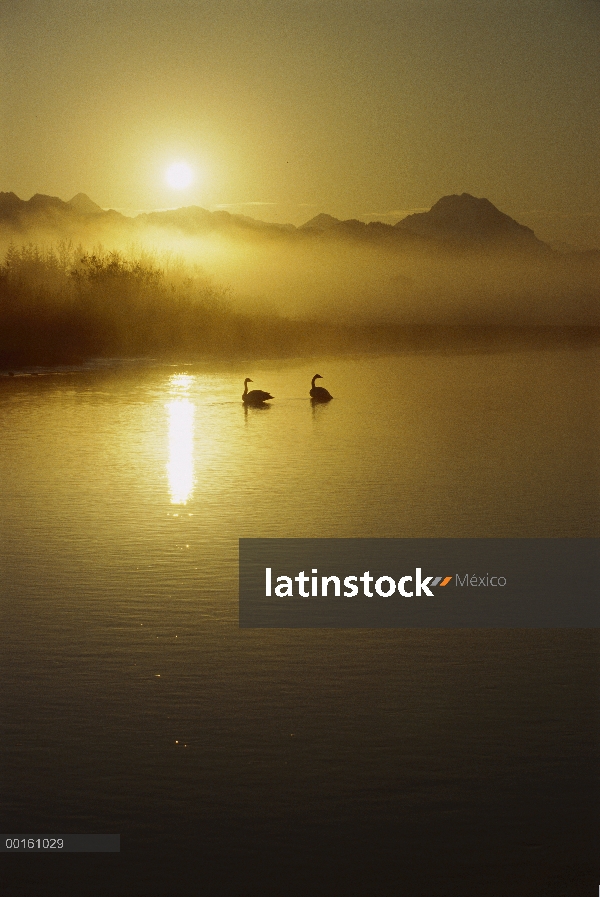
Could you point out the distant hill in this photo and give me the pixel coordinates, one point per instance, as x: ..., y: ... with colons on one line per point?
x: 52, y: 214
x: 9, y: 203
x: 187, y: 218
x: 467, y: 220
x: 40, y: 210
x: 42, y: 202
x: 82, y: 203
x: 320, y: 222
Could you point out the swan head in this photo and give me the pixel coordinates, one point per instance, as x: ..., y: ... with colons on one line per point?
x: 248, y: 380
x: 317, y: 377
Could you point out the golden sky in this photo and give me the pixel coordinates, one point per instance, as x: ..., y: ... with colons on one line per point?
x: 287, y: 108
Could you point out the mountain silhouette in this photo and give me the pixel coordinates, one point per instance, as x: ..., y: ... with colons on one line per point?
x: 458, y: 222
x: 8, y: 202
x: 40, y: 209
x: 465, y: 219
x: 320, y: 222
x: 43, y: 202
x: 82, y: 203
x: 195, y: 220
x: 53, y: 215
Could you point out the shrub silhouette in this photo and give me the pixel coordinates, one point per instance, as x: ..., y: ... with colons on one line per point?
x: 64, y: 304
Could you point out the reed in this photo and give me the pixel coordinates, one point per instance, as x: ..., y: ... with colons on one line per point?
x: 64, y: 304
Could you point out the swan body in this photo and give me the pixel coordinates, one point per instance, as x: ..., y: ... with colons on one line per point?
x: 319, y: 393
x: 255, y: 396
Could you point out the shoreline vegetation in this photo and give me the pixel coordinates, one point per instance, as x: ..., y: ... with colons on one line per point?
x: 63, y: 305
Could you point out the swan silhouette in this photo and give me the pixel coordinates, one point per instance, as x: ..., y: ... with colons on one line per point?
x: 255, y: 396
x: 319, y: 393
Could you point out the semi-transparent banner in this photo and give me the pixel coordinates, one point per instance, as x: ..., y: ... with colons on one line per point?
x: 419, y: 583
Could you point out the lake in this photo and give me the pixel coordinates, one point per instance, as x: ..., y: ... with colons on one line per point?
x: 441, y: 763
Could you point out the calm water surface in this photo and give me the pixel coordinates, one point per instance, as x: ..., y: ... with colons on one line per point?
x: 290, y: 762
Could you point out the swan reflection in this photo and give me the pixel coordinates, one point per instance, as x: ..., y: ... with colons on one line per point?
x: 180, y: 468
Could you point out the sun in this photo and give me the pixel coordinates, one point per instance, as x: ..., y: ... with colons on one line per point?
x: 179, y: 175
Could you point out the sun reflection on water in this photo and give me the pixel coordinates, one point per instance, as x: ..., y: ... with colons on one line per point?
x: 180, y: 467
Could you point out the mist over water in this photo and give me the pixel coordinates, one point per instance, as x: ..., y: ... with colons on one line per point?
x: 217, y: 285
x: 350, y: 280
x: 65, y: 304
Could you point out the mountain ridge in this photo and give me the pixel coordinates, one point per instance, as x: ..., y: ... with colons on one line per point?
x: 454, y: 221
x: 461, y: 217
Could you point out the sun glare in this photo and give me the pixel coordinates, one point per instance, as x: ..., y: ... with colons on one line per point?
x: 180, y: 468
x: 179, y: 175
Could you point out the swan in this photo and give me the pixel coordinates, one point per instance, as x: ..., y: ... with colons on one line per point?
x: 255, y: 396
x: 319, y: 393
